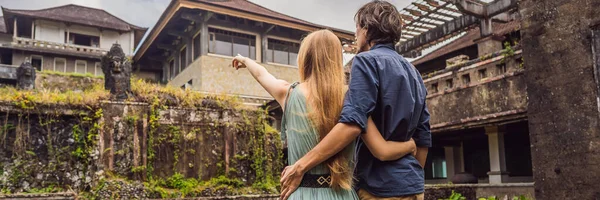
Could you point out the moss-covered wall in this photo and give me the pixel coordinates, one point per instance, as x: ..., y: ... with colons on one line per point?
x: 162, y: 142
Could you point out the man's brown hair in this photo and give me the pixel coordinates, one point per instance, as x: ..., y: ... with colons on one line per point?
x: 382, y: 21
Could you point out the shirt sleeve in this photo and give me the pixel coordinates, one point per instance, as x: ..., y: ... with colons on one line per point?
x: 362, y: 93
x: 422, y: 135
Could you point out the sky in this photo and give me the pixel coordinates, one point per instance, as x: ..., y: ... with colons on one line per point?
x: 145, y: 13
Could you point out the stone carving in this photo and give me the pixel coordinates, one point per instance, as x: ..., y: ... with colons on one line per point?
x: 26, y: 76
x: 117, y: 73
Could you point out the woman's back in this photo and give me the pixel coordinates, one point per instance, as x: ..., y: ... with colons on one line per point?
x: 301, y: 137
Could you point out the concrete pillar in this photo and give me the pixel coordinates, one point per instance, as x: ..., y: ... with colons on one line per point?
x: 497, y: 172
x: 132, y: 41
x: 32, y: 29
x: 450, y: 162
x: 488, y: 45
x: 263, y: 44
x: 204, y: 39
x: 485, y: 27
x: 69, y: 35
x: 15, y: 29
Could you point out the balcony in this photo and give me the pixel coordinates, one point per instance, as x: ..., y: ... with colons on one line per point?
x: 19, y: 42
x: 477, y: 92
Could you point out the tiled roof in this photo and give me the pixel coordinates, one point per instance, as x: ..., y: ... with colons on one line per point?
x: 467, y: 40
x: 2, y: 25
x: 77, y: 14
x: 247, y: 6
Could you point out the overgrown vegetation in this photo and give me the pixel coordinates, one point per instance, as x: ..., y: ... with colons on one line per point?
x: 86, y: 126
x: 457, y: 196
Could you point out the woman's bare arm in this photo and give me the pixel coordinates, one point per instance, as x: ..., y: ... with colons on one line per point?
x: 386, y: 150
x: 276, y: 87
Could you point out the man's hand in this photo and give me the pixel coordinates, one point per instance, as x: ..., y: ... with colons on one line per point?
x: 414, y: 146
x: 290, y: 180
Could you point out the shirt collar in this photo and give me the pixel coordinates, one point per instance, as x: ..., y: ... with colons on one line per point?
x: 386, y: 45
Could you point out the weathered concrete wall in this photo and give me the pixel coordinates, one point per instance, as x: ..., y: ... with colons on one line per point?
x: 61, y: 147
x: 214, y: 74
x: 39, y: 150
x: 55, y: 32
x: 499, y: 95
x: 63, y: 83
x: 563, y: 112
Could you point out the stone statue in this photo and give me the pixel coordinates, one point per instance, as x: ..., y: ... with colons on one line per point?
x: 26, y: 76
x: 117, y: 73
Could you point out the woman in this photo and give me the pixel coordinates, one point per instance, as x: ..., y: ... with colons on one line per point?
x: 312, y: 108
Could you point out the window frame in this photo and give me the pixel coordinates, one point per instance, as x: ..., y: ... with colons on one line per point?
x: 84, y: 67
x: 41, y: 63
x: 194, y: 46
x: 98, y: 65
x: 257, y: 42
x: 284, y: 40
x: 182, y: 64
x: 64, y: 67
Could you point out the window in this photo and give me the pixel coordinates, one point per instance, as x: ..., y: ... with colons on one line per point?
x: 182, y: 59
x: 231, y: 43
x: 84, y: 40
x: 466, y: 79
x: 196, y: 48
x: 80, y: 66
x: 434, y: 88
x: 98, y: 69
x: 482, y: 73
x: 172, y: 67
x: 501, y: 69
x: 36, y: 62
x: 282, y: 52
x: 435, y: 165
x: 60, y: 64
x: 520, y: 63
x: 449, y: 84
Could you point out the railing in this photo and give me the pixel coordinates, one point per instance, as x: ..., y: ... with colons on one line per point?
x: 26, y: 42
x: 474, y: 72
x: 8, y: 71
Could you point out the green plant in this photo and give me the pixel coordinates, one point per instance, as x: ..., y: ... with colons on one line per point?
x: 455, y: 196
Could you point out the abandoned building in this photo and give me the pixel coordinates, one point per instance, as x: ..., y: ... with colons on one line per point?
x: 193, y: 42
x: 477, y: 96
x: 69, y: 38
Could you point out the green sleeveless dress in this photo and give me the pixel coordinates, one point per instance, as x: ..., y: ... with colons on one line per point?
x: 301, y: 137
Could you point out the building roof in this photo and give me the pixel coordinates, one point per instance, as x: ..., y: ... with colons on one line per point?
x: 2, y: 25
x: 468, y: 40
x: 239, y: 8
x: 247, y: 6
x: 76, y: 14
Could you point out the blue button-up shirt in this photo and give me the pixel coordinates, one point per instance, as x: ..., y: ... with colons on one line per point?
x: 385, y: 86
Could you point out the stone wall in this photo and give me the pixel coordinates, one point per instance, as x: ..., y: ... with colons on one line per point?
x: 49, y: 148
x: 499, y: 96
x: 563, y: 112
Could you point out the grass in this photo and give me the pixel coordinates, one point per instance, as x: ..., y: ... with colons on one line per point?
x: 142, y: 92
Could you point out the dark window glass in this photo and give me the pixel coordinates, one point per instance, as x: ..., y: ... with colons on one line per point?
x: 196, y: 46
x: 182, y: 59
x: 282, y: 52
x: 173, y: 71
x: 231, y: 43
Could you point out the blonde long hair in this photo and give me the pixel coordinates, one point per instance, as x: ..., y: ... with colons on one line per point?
x: 321, y: 69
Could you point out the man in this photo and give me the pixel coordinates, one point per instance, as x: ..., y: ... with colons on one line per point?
x: 388, y: 88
